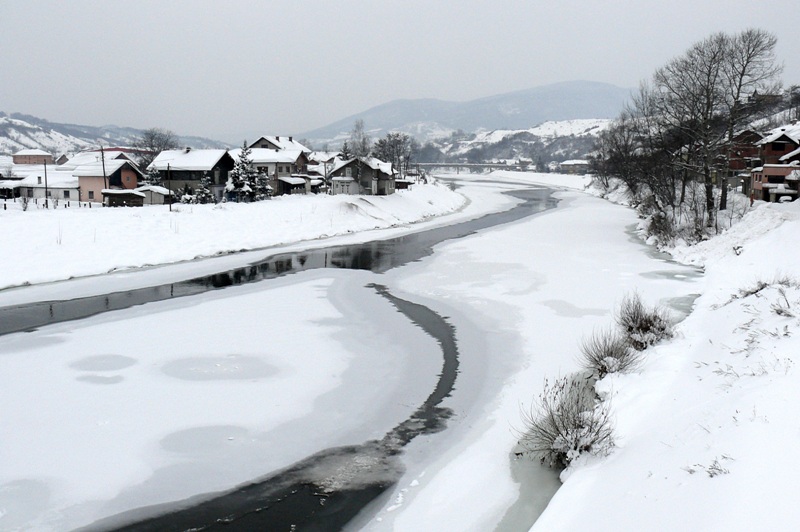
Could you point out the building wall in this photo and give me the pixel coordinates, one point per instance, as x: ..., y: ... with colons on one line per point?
x: 33, y: 159
x: 91, y: 188
x: 771, y: 152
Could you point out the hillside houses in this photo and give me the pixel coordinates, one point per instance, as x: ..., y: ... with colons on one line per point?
x: 779, y: 154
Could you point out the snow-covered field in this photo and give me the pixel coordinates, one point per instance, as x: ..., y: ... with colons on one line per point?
x: 158, y: 402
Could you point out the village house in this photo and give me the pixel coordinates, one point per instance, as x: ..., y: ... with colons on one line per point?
x: 33, y: 157
x: 279, y: 143
x: 181, y: 170
x: 778, y: 143
x: 96, y: 177
x: 574, y: 166
x: 285, y: 169
x: 774, y: 182
x: 362, y: 175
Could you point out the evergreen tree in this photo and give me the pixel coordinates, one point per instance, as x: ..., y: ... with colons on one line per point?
x: 241, y: 180
x: 203, y: 193
x: 262, y: 190
x: 346, y: 153
x: 152, y: 177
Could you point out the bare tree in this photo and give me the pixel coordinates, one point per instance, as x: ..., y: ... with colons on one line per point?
x: 691, y: 102
x: 396, y: 148
x: 360, y: 145
x: 360, y: 142
x: 152, y: 142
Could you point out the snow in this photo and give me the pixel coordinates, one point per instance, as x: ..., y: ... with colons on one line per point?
x: 705, y: 428
x: 32, y: 152
x: 265, y: 155
x: 193, y: 160
x: 52, y: 245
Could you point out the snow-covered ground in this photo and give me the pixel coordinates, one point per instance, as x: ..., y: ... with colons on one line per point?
x: 156, y: 402
x: 45, y: 245
x: 706, y: 430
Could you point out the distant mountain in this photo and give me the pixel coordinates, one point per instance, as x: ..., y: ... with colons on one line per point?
x: 428, y: 118
x: 19, y: 132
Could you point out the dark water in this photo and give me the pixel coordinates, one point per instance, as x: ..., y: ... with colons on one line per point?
x: 377, y: 256
x: 324, y: 491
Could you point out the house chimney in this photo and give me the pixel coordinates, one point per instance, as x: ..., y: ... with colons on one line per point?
x: 188, y: 149
x: 277, y: 138
x: 290, y: 139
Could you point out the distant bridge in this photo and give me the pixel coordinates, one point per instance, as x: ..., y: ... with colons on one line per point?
x: 473, y: 166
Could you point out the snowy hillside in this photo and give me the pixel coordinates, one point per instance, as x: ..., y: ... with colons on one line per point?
x: 550, y: 141
x: 19, y: 132
x: 18, y: 135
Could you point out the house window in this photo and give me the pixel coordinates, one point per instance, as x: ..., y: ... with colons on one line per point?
x: 779, y: 146
x: 66, y: 194
x: 39, y: 180
x: 348, y: 172
x: 128, y: 178
x: 91, y: 194
x: 30, y: 192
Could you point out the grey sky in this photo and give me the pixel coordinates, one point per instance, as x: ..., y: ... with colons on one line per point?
x: 231, y: 69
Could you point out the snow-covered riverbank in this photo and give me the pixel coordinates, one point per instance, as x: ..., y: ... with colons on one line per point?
x: 706, y: 430
x: 43, y: 245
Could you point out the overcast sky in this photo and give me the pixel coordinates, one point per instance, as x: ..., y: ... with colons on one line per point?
x: 230, y: 69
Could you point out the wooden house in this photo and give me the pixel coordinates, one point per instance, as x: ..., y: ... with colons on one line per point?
x: 182, y: 170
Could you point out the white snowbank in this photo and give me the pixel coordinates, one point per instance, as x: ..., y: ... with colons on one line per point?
x: 44, y: 245
x: 706, y: 430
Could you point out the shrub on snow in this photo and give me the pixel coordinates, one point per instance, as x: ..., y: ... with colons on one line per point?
x: 607, y: 352
x: 642, y: 326
x: 567, y: 421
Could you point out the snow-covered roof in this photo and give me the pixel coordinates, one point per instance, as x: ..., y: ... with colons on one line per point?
x: 283, y: 143
x: 55, y: 179
x: 315, y: 182
x: 97, y: 169
x: 122, y: 192
x: 343, y: 178
x: 32, y: 152
x: 87, y: 157
x: 575, y: 162
x: 154, y: 188
x: 192, y: 160
x: 323, y: 156
x: 10, y: 183
x: 790, y: 155
x: 268, y: 156
x: 293, y: 180
x: 791, y: 131
x: 372, y: 162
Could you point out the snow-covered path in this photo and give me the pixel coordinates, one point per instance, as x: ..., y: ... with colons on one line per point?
x: 156, y: 403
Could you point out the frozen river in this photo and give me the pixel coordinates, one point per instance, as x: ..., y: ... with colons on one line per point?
x: 391, y: 372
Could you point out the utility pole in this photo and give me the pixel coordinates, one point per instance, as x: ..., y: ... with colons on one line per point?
x: 103, y: 162
x: 169, y: 186
x: 45, y: 186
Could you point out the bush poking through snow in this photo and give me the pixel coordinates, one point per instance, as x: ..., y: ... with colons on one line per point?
x: 607, y: 352
x: 567, y: 421
x: 642, y: 326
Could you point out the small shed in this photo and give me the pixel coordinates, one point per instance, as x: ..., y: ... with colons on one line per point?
x: 118, y: 197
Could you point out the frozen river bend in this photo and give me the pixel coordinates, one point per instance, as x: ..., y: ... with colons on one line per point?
x: 169, y: 400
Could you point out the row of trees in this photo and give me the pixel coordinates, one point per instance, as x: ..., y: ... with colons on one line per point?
x: 678, y: 133
x: 399, y: 149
